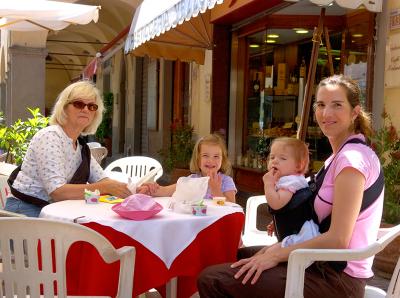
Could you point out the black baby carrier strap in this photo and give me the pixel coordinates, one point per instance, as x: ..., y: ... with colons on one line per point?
x: 370, y: 195
x: 80, y: 176
x: 289, y: 219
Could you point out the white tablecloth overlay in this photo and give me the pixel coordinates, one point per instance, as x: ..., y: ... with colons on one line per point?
x: 166, y: 235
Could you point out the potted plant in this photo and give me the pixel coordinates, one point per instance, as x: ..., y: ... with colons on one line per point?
x: 386, y: 143
x: 176, y: 158
x: 14, y: 139
x: 104, y: 131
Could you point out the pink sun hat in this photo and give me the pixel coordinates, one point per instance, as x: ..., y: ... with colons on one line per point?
x: 137, y: 207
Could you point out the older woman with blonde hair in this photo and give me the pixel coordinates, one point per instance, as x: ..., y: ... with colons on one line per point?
x: 58, y: 164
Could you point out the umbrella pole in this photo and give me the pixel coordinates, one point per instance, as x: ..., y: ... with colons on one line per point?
x: 305, y: 114
x: 329, y: 51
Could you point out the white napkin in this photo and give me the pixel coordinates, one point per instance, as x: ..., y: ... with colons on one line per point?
x: 188, y: 191
x: 132, y: 184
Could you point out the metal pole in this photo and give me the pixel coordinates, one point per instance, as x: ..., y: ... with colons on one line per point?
x: 302, y: 132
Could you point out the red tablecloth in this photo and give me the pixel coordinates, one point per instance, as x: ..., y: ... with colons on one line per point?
x: 87, y: 274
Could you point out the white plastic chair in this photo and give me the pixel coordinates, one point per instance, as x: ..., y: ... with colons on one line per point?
x: 99, y: 153
x: 20, y: 259
x: 5, y: 171
x: 300, y: 258
x: 251, y: 235
x: 6, y: 168
x: 4, y: 213
x: 136, y: 166
x: 4, y: 191
x: 93, y: 145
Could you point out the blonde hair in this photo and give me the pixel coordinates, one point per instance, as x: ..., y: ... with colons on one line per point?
x: 81, y: 89
x: 212, y: 139
x: 362, y: 124
x: 300, y: 151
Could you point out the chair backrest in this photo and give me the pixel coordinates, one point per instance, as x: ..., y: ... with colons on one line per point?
x: 4, y: 191
x: 136, y: 166
x: 250, y: 224
x: 6, y: 168
x: 300, y: 258
x: 94, y: 145
x: 5, y: 171
x: 252, y: 235
x: 99, y: 153
x: 24, y: 267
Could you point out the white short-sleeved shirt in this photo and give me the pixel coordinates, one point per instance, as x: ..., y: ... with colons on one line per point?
x: 291, y: 183
x: 50, y: 162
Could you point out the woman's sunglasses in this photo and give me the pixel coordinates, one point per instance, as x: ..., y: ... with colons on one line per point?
x: 81, y: 105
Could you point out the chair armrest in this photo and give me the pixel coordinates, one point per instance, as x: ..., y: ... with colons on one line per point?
x: 299, y: 260
x: 127, y: 265
x: 5, y: 213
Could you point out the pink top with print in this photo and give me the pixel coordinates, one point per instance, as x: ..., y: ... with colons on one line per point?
x: 365, y: 232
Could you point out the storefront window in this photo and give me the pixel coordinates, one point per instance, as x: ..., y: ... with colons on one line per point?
x: 277, y: 67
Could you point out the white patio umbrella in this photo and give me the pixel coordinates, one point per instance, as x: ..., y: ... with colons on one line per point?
x: 36, y: 15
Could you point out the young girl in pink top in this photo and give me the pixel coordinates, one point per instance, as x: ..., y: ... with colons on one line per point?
x: 354, y: 168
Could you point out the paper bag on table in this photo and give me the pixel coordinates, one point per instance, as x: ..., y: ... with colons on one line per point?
x: 188, y: 191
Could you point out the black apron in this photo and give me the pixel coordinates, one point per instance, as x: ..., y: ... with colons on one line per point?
x: 81, y: 176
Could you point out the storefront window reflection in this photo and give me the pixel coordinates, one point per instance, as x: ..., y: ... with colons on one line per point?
x: 277, y: 68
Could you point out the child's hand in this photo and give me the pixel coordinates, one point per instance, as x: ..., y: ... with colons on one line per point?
x: 271, y: 177
x: 149, y: 188
x: 215, y: 183
x: 271, y: 229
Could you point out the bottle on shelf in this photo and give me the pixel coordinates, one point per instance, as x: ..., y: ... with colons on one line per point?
x: 302, y: 72
x: 256, y: 86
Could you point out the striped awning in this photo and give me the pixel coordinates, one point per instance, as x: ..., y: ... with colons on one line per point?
x: 371, y: 5
x: 165, y: 28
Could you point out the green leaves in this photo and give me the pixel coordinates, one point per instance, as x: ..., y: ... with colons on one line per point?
x: 386, y: 143
x: 15, y: 138
x: 105, y: 128
x: 178, y: 155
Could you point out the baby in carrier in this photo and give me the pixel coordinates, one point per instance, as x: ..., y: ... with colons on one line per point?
x: 287, y: 191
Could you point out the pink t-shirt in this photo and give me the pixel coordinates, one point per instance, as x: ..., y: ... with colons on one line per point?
x: 365, y: 232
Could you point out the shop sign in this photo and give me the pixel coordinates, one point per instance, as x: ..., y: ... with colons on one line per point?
x: 392, y: 61
x: 394, y: 21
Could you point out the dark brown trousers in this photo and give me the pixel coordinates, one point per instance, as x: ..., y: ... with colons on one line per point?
x: 320, y: 281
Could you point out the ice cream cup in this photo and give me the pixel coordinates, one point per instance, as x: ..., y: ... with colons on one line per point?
x: 199, y: 210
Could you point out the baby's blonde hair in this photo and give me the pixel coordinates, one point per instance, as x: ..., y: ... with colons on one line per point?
x: 299, y: 149
x: 212, y: 139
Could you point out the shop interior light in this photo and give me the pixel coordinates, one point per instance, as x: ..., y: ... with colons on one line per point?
x: 254, y: 45
x: 301, y: 31
x: 270, y: 41
x: 272, y: 35
x: 337, y: 58
x: 356, y: 35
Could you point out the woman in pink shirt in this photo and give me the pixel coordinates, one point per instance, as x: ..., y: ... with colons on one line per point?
x: 353, y: 168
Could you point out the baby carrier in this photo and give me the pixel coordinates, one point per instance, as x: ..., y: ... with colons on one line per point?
x: 289, y: 219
